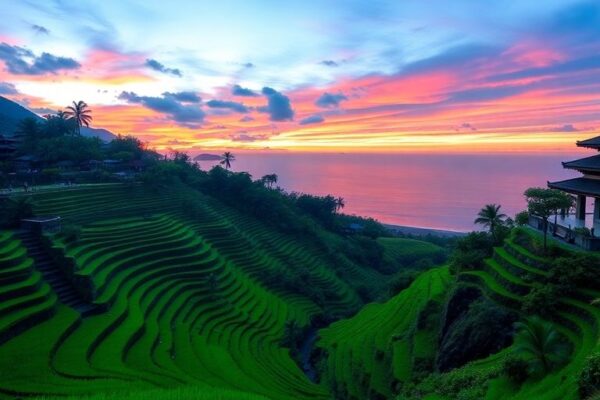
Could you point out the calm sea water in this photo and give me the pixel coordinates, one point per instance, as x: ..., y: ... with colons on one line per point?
x: 443, y: 191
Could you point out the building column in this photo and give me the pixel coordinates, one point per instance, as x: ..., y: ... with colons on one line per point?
x: 580, y: 207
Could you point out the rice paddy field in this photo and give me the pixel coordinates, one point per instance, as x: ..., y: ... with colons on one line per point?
x: 373, y: 353
x: 370, y: 352
x: 186, y: 300
x: 187, y: 308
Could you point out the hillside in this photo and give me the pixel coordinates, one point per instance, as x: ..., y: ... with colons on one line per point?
x: 11, y: 114
x: 227, y: 288
x: 370, y: 353
x: 395, y: 348
x: 179, y: 299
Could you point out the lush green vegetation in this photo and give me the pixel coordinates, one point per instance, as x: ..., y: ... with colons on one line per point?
x: 475, y: 350
x: 212, y: 284
x: 196, y: 292
x: 385, y: 344
x: 187, y: 392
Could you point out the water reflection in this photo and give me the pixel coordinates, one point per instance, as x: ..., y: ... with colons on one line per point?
x: 442, y: 191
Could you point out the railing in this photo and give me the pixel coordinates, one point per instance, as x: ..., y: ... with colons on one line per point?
x: 567, y: 234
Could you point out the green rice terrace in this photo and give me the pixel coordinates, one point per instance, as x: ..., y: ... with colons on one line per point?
x: 177, y: 293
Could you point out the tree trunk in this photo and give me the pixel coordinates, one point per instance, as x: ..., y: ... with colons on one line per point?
x: 545, y: 234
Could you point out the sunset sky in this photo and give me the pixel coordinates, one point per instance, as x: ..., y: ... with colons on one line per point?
x: 313, y: 75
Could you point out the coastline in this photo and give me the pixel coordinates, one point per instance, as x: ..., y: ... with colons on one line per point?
x: 418, y: 231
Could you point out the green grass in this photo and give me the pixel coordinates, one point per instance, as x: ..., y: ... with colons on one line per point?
x: 379, y: 344
x: 508, y: 273
x: 192, y: 392
x: 405, y: 251
x: 193, y: 311
x: 165, y: 325
x: 25, y: 299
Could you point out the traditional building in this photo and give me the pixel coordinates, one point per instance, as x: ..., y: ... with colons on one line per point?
x: 584, y: 187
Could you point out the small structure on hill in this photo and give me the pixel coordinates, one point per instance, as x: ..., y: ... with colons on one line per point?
x: 583, y: 228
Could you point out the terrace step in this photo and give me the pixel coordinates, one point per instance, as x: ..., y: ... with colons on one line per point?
x: 58, y: 281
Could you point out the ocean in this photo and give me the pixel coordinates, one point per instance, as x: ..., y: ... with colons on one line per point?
x: 433, y: 190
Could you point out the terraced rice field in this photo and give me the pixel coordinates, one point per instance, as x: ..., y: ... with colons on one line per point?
x: 186, y: 300
x: 368, y: 353
x: 406, y: 251
x: 25, y: 299
x: 510, y: 275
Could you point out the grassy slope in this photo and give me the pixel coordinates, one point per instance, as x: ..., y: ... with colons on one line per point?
x: 167, y: 325
x: 382, y: 335
x: 378, y: 346
x: 398, y: 250
x: 172, y: 394
x: 503, y: 281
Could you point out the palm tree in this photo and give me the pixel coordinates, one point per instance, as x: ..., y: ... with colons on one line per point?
x: 491, y: 217
x: 80, y: 113
x: 540, y: 344
x: 227, y: 158
x: 269, y: 180
x: 339, y: 203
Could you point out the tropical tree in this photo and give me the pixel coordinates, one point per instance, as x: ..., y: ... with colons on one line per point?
x: 540, y: 344
x: 339, y: 203
x: 28, y: 128
x: 60, y: 114
x: 226, y: 159
x: 545, y: 202
x: 491, y: 217
x: 80, y: 113
x: 269, y: 180
x: 59, y: 124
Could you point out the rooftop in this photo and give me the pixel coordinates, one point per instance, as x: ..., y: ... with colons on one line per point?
x: 593, y: 143
x: 583, y: 186
x: 589, y: 163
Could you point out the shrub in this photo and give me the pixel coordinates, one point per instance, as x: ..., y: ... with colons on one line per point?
x: 482, y: 329
x: 580, y: 270
x: 463, y: 383
x: 471, y: 251
x: 515, y: 369
x: 71, y: 232
x: 589, y: 378
x: 501, y: 232
x: 585, y: 232
x: 401, y: 281
x: 522, y: 218
x: 541, y: 300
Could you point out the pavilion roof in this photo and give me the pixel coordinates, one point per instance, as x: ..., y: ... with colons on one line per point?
x: 584, y: 186
x: 586, y: 164
x: 593, y: 143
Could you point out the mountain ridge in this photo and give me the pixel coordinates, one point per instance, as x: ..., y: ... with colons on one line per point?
x: 11, y: 113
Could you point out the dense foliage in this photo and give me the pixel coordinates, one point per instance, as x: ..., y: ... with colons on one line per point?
x: 589, y: 379
x: 479, y: 329
x: 471, y: 251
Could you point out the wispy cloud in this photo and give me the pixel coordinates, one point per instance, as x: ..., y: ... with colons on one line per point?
x: 157, y: 66
x: 21, y: 61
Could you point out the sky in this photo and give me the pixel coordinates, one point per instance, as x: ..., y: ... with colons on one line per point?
x: 413, y: 75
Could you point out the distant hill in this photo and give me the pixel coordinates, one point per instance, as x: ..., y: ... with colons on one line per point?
x: 207, y: 157
x: 102, y: 133
x: 12, y: 113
